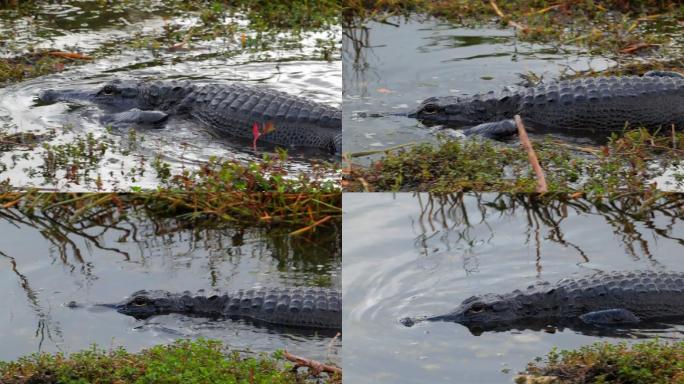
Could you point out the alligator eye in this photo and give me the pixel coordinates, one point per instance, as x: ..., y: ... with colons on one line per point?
x: 429, y: 109
x: 108, y: 90
x: 477, y: 308
x: 139, y: 301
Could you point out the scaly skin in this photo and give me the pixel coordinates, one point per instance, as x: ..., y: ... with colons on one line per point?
x: 292, y: 307
x: 229, y: 109
x: 615, y: 298
x: 576, y: 107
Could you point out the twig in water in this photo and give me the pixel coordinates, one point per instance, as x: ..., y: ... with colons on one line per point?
x: 332, y: 341
x: 374, y: 152
x: 70, y: 55
x: 316, y: 366
x: 525, y: 141
x: 310, y: 227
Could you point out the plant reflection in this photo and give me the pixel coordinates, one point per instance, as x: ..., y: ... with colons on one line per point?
x: 636, y: 220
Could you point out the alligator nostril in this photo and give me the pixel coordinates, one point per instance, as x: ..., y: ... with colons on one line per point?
x: 46, y: 96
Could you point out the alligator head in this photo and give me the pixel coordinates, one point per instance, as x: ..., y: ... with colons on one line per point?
x: 116, y: 95
x: 483, y: 313
x: 465, y: 111
x: 447, y: 110
x: 123, y: 95
x: 144, y: 304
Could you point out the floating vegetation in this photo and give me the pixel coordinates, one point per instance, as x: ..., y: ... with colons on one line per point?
x: 266, y: 20
x: 36, y: 64
x: 184, y: 361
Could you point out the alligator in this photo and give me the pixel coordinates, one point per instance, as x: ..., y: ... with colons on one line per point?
x: 603, y: 300
x: 290, y: 307
x: 233, y: 110
x: 579, y: 107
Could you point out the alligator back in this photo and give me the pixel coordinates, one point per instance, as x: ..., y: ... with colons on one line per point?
x: 300, y: 307
x: 647, y: 294
x: 593, y: 104
x: 604, y: 104
x: 282, y: 119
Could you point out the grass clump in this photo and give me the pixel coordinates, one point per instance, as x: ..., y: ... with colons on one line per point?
x: 628, y: 162
x: 184, y: 361
x: 305, y: 211
x: 651, y: 362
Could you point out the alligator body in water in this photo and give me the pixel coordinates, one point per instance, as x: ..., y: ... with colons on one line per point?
x: 580, y: 107
x: 291, y: 307
x: 233, y: 110
x: 600, y: 300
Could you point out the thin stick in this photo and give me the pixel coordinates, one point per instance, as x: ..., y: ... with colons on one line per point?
x: 674, y: 138
x: 525, y: 141
x: 310, y: 227
x: 316, y: 366
x: 544, y: 10
x: 332, y: 341
x: 512, y: 23
x: 374, y: 152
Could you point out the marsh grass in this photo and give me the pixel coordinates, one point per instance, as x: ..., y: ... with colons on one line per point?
x: 184, y: 361
x: 617, y: 28
x: 650, y: 362
x: 267, y: 18
x: 303, y: 212
x: 629, y: 162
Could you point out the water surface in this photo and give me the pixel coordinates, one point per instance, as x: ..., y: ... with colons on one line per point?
x: 410, y: 255
x: 48, y: 261
x: 128, y: 38
x: 392, y: 67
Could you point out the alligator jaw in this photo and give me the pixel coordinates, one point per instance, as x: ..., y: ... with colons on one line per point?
x: 107, y: 305
x: 119, y: 307
x: 51, y: 96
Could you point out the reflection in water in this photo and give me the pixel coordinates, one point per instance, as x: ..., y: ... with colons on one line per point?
x: 45, y: 327
x: 409, y: 255
x: 67, y: 257
x: 449, y: 219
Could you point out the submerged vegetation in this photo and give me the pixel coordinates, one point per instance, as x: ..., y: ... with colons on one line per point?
x: 649, y: 362
x: 201, y: 361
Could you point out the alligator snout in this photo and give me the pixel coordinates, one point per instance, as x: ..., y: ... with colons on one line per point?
x: 48, y: 96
